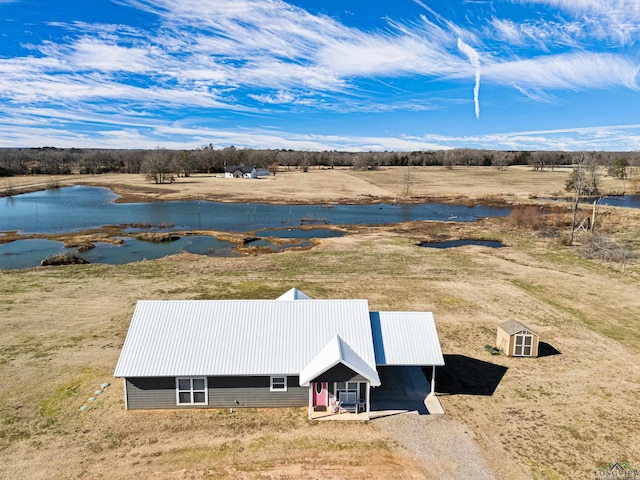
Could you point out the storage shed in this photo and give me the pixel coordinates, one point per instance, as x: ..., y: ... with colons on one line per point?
x: 517, y: 340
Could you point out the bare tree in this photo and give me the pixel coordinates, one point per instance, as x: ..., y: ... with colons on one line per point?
x: 408, y: 179
x: 158, y: 166
x: 575, y: 184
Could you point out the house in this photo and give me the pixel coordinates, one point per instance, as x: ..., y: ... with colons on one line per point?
x: 240, y: 171
x: 293, y: 351
x: 517, y: 340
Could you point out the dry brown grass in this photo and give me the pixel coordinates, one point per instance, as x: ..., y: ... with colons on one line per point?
x: 559, y: 416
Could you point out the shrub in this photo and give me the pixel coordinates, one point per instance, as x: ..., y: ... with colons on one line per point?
x: 62, y: 259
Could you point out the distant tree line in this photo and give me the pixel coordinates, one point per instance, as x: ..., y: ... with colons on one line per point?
x: 162, y: 165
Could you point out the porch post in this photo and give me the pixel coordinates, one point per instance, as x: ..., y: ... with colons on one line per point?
x: 310, y: 399
x: 368, y: 400
x: 126, y: 395
x: 433, y: 380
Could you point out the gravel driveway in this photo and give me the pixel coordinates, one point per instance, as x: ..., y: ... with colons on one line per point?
x: 442, y: 446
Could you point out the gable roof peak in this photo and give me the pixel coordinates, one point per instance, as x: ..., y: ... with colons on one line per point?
x: 294, y: 294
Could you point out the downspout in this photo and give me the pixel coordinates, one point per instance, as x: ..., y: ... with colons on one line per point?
x: 310, y: 399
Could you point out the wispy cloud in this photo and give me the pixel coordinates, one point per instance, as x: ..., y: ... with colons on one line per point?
x: 268, y: 57
x: 572, y: 70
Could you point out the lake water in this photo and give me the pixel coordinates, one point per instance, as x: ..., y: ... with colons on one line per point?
x: 78, y: 208
x: 28, y: 253
x: 629, y: 201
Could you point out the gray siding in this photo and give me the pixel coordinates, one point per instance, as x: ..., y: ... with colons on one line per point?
x: 340, y: 373
x: 151, y: 393
x: 223, y: 392
x: 254, y: 392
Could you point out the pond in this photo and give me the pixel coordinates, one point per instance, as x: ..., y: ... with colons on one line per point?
x: 629, y: 201
x: 29, y: 253
x: 462, y: 243
x: 79, y: 208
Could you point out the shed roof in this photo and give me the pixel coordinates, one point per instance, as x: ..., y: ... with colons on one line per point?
x: 511, y: 327
x: 239, y: 337
x: 405, y: 338
x: 338, y: 351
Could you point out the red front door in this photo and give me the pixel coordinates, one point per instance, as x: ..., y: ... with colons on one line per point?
x: 320, y: 396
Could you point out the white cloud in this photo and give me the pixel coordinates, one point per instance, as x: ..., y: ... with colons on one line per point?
x: 225, y: 56
x: 566, y: 71
x: 614, y: 20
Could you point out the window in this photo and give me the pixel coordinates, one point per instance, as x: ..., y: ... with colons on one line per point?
x: 347, y: 390
x: 278, y: 384
x: 523, y: 345
x: 191, y: 391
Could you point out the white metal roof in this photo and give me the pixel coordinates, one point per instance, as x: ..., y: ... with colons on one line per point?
x: 239, y: 337
x: 405, y: 338
x: 294, y: 294
x: 338, y: 351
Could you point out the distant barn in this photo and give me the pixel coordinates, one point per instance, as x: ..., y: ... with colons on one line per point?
x: 517, y: 340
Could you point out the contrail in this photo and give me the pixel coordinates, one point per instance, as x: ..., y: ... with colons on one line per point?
x: 474, y: 58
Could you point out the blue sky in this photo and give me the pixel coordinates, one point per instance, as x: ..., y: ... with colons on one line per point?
x: 321, y: 75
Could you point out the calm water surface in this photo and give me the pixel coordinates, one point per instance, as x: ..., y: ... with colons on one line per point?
x: 78, y: 208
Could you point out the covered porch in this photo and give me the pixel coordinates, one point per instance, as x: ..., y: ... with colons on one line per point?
x: 339, y: 381
x: 404, y: 390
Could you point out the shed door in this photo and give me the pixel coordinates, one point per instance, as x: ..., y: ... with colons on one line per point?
x: 523, y: 346
x: 320, y: 396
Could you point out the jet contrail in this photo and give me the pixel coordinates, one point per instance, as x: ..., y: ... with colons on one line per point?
x: 474, y: 58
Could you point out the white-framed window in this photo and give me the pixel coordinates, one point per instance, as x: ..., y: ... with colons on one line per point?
x: 191, y: 390
x: 523, y: 346
x: 278, y: 383
x: 347, y: 390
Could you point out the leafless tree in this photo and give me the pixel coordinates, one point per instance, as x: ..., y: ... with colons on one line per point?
x: 158, y: 166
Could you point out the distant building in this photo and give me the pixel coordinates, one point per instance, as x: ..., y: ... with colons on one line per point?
x: 240, y: 171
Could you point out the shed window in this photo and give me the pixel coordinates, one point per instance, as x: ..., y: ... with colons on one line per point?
x: 278, y: 384
x: 191, y: 391
x: 523, y: 346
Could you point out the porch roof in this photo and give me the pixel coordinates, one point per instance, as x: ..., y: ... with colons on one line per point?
x: 334, y: 352
x: 405, y: 338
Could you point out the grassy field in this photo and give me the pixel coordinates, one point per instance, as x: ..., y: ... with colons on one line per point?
x: 559, y: 416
